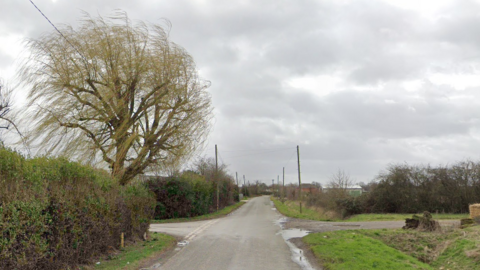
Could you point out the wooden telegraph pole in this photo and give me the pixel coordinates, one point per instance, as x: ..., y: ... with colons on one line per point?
x: 244, y: 188
x: 283, y: 189
x: 238, y: 187
x: 216, y: 176
x: 278, y: 186
x: 299, y: 178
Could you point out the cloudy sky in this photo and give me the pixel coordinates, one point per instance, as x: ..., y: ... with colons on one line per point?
x: 356, y: 84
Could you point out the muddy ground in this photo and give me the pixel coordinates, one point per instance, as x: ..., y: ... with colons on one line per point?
x: 323, y: 226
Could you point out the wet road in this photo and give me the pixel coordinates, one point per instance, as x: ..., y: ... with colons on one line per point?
x: 246, y: 239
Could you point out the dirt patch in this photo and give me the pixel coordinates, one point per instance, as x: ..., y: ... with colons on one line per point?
x: 326, y: 226
x: 307, y: 252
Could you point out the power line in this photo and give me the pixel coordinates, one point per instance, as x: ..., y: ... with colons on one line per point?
x: 259, y: 153
x: 68, y: 41
x: 290, y: 159
x: 258, y: 150
x: 220, y: 155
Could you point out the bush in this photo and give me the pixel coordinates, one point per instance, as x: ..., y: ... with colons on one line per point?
x: 350, y: 206
x: 189, y: 195
x: 55, y: 214
x: 186, y: 196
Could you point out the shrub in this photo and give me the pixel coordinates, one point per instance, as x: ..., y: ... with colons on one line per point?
x: 189, y: 195
x: 180, y: 197
x: 55, y: 214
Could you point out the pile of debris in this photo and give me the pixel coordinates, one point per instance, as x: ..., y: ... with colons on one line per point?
x: 423, y: 223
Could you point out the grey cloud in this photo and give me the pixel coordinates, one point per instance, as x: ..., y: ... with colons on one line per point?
x: 394, y: 115
x: 249, y: 49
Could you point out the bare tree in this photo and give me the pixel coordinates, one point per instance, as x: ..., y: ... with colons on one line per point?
x: 339, y: 183
x: 118, y: 92
x: 7, y: 119
x: 5, y: 102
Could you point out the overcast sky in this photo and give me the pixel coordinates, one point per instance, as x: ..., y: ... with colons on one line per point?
x: 356, y: 84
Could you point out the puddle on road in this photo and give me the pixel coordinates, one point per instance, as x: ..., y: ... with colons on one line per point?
x: 297, y: 254
x: 182, y: 243
x: 293, y: 233
x: 280, y: 222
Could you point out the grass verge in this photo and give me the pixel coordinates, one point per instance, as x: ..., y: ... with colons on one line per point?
x: 223, y: 212
x: 352, y: 250
x: 450, y: 249
x: 388, y: 217
x: 453, y: 248
x: 292, y: 209
x: 132, y: 256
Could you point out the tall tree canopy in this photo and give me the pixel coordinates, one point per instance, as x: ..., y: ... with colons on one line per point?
x: 115, y: 91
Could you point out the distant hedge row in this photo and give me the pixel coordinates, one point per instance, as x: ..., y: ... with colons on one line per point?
x: 55, y: 214
x: 404, y: 188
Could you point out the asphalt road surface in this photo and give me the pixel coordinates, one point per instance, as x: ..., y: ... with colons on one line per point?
x: 246, y: 239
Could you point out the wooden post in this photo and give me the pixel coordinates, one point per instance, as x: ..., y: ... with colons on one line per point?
x: 122, y: 242
x: 299, y: 178
x: 216, y: 177
x: 238, y: 187
x: 283, y: 189
x: 244, y: 188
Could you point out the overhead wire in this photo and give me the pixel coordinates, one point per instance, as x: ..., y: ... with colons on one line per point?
x: 61, y: 34
x: 290, y: 159
x: 259, y: 152
x: 220, y: 155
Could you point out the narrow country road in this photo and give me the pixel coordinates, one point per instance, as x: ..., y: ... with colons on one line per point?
x: 246, y: 239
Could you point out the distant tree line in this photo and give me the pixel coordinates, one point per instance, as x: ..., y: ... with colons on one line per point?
x: 403, y: 188
x: 406, y: 188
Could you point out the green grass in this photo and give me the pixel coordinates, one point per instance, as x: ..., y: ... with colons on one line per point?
x: 463, y: 254
x: 453, y: 248
x: 131, y: 257
x: 388, y: 217
x: 352, y: 250
x: 292, y: 209
x: 223, y: 212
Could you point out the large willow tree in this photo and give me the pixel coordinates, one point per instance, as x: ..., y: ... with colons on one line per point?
x: 115, y: 91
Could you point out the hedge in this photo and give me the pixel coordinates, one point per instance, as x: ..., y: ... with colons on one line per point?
x: 189, y: 195
x: 55, y: 214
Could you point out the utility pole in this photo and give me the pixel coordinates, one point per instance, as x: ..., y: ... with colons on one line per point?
x: 216, y: 176
x: 283, y: 189
x: 273, y: 189
x: 238, y: 187
x: 278, y: 186
x: 299, y: 178
x: 244, y: 188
